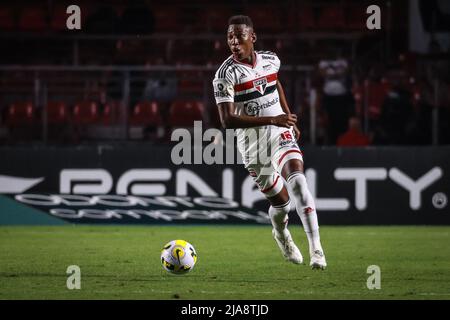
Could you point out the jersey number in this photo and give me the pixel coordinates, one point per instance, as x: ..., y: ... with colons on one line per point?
x: 286, y: 135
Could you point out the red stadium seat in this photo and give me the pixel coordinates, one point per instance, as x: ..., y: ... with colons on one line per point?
x: 184, y: 113
x: 20, y: 114
x: 302, y: 19
x: 59, y: 18
x: 265, y: 18
x: 146, y: 114
x: 85, y: 112
x: 7, y: 22
x: 167, y: 19
x: 214, y: 19
x: 57, y: 112
x: 331, y: 18
x: 356, y: 17
x: 190, y: 82
x: 111, y: 113
x: 33, y: 19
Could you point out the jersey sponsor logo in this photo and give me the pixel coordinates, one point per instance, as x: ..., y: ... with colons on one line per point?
x: 267, y: 67
x: 252, y: 108
x: 268, y: 57
x: 260, y: 85
x: 219, y: 94
x: 222, y: 91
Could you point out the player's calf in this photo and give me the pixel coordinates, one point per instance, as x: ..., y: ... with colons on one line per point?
x: 306, y: 209
x: 279, y: 218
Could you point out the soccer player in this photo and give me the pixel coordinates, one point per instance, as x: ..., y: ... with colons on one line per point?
x: 251, y: 100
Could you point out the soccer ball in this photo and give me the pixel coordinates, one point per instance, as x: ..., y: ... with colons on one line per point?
x: 178, y: 257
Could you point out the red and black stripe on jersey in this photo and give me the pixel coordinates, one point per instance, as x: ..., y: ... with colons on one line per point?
x: 252, y: 84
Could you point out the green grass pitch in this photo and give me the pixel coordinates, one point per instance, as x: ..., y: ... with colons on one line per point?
x: 234, y: 262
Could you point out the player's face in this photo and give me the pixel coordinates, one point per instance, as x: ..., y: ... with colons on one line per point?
x: 240, y: 40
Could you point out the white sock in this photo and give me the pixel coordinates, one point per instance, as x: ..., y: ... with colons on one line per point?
x: 279, y: 218
x: 314, y: 241
x: 306, y: 209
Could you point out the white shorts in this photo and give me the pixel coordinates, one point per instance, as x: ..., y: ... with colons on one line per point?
x: 265, y: 158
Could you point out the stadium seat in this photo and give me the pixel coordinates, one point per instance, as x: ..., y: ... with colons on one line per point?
x: 21, y: 121
x: 7, y: 22
x: 356, y: 17
x: 20, y: 113
x: 146, y: 113
x: 110, y: 113
x: 331, y: 18
x: 265, y: 18
x: 214, y: 19
x: 190, y: 82
x: 33, y: 19
x: 302, y: 19
x: 57, y: 112
x: 59, y: 18
x: 184, y: 113
x: 85, y: 112
x: 167, y: 19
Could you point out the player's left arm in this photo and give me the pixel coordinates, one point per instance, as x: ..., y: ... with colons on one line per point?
x: 285, y: 107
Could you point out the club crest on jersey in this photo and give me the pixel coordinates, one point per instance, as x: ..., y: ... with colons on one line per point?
x: 260, y: 85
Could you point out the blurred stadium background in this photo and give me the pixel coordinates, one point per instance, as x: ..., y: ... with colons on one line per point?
x: 133, y: 70
x: 86, y: 118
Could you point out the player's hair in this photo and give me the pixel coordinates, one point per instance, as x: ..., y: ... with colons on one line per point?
x: 240, y: 19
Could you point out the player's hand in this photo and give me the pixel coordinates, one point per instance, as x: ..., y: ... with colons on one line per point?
x: 284, y: 120
x: 297, y: 132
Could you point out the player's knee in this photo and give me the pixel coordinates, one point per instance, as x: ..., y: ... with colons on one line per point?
x: 299, y: 186
x: 279, y: 214
x: 297, y: 182
x: 271, y: 187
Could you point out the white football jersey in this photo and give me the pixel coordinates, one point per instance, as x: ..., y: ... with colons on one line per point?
x: 252, y: 88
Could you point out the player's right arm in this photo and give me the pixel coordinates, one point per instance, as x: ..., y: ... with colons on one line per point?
x: 230, y: 120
